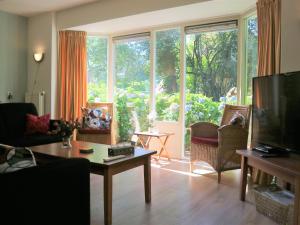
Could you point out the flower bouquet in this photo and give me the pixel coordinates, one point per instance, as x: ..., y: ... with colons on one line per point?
x: 65, y: 129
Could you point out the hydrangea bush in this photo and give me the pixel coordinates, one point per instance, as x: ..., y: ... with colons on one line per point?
x: 133, y: 110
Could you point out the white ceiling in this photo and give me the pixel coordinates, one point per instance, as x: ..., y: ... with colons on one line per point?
x: 32, y: 7
x: 193, y: 12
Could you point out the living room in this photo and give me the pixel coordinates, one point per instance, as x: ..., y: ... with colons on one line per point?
x: 146, y: 54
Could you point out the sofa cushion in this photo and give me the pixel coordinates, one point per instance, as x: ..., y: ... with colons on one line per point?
x: 13, y: 119
x: 37, y: 124
x: 33, y: 140
x: 205, y: 140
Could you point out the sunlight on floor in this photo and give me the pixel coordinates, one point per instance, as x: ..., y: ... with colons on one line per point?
x: 182, y: 167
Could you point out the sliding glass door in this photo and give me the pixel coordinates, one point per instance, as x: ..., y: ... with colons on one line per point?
x: 132, y: 83
x: 211, y: 72
x: 167, y: 74
x: 97, y: 68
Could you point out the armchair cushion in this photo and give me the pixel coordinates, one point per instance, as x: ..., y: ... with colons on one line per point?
x: 213, y: 141
x: 93, y: 131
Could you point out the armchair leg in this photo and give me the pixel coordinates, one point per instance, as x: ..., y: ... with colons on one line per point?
x: 219, y: 177
x: 191, y: 167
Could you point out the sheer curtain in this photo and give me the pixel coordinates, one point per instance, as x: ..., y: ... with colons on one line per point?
x: 72, y: 76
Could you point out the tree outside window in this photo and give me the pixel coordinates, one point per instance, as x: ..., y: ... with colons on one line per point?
x: 167, y: 74
x: 211, y: 76
x: 97, y: 68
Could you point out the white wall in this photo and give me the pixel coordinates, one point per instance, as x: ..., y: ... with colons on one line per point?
x: 290, y: 42
x: 111, y: 9
x: 42, y: 35
x: 13, y: 56
x: 41, y: 38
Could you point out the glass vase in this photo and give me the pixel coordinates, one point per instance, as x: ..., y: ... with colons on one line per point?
x: 66, y: 142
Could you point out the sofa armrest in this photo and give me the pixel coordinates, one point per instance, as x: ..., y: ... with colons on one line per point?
x: 54, y: 193
x: 204, y: 129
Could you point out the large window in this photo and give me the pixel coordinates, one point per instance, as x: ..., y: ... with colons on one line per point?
x: 251, y: 55
x: 132, y: 84
x: 211, y: 56
x: 211, y: 72
x: 97, y: 68
x: 167, y: 74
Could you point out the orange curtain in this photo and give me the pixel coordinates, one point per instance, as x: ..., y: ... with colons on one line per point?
x: 72, y: 80
x: 269, y: 51
x: 269, y: 36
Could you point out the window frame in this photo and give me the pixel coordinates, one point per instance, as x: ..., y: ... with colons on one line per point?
x: 244, y: 55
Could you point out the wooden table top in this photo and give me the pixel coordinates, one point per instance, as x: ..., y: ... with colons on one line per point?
x: 289, y: 163
x: 100, y: 152
x: 153, y: 134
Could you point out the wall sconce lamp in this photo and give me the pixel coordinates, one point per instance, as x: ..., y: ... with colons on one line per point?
x: 38, y: 57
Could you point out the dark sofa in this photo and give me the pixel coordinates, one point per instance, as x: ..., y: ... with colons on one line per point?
x: 54, y: 193
x: 13, y: 126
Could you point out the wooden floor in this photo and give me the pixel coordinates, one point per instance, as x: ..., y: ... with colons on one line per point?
x: 178, y: 198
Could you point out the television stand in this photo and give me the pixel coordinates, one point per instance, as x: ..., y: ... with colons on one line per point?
x: 286, y: 168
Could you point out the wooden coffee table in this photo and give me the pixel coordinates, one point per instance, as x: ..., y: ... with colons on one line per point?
x: 141, y: 157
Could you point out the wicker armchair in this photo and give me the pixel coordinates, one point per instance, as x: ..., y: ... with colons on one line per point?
x: 216, y: 145
x: 106, y: 136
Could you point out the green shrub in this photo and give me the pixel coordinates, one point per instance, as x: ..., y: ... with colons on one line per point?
x: 133, y: 109
x: 123, y: 118
x: 97, y: 92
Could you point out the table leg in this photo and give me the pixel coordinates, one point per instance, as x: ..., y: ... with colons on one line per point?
x: 163, y: 147
x: 141, y: 141
x: 148, y: 142
x: 244, y: 170
x: 145, y: 145
x: 147, y: 180
x: 107, y: 191
x: 297, y: 202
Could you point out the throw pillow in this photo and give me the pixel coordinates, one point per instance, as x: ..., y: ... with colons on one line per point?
x: 238, y: 119
x: 13, y: 159
x: 96, y: 118
x: 37, y: 124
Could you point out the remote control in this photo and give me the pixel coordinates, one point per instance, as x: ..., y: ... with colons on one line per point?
x: 111, y: 158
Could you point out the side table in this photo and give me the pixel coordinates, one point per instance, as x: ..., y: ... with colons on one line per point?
x: 162, y: 137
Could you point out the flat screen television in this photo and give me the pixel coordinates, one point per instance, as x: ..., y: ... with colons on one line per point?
x: 276, y: 111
